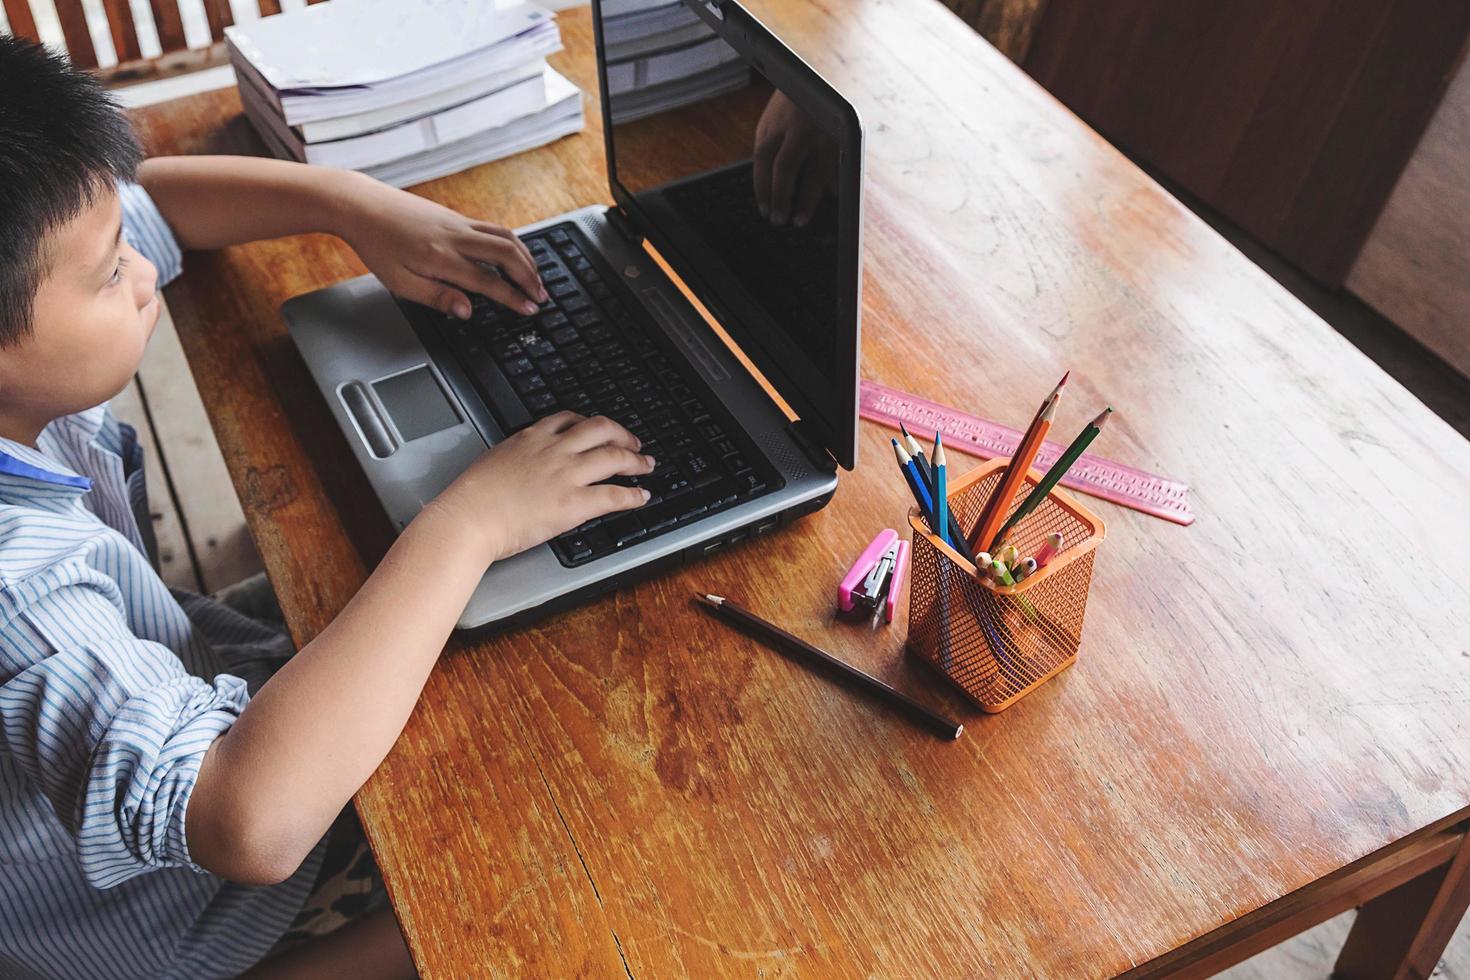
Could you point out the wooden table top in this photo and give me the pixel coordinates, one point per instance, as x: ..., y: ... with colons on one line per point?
x: 1261, y: 699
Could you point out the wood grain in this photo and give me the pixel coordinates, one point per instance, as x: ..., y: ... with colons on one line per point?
x: 219, y: 16
x: 124, y: 32
x: 169, y: 24
x: 208, y: 507
x: 77, y: 36
x: 22, y: 22
x: 1293, y: 120
x: 1010, y: 25
x: 632, y: 787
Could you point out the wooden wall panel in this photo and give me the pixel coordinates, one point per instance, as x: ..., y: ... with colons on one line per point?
x: 1415, y: 266
x: 1292, y: 119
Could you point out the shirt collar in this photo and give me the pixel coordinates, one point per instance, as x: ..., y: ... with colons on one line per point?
x: 30, y: 464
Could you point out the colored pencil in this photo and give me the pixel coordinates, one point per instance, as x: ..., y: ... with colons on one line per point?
x: 1014, y: 474
x: 915, y: 482
x: 941, y: 491
x: 1058, y: 470
x: 957, y: 537
x: 804, y: 653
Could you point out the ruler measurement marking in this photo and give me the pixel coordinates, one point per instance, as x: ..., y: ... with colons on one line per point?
x: 1093, y: 475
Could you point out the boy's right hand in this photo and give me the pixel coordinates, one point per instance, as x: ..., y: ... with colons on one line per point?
x: 543, y: 481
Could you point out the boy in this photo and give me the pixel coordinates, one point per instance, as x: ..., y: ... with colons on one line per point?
x: 166, y: 781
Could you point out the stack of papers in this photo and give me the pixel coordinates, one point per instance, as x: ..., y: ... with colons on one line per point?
x: 404, y: 92
x: 660, y: 56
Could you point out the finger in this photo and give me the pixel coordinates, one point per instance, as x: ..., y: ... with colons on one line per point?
x: 501, y: 231
x: 765, y: 152
x: 601, y: 431
x: 559, y: 422
x: 596, y: 465
x: 476, y: 278
x: 439, y: 295
x: 508, y: 255
x: 783, y: 180
x: 607, y: 498
x: 808, y: 195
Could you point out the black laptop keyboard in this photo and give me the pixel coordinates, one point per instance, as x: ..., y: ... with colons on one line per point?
x: 588, y: 352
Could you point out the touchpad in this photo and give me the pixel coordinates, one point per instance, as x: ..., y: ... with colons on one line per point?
x: 416, y: 403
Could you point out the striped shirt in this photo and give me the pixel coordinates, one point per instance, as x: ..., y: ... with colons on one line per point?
x: 112, y: 686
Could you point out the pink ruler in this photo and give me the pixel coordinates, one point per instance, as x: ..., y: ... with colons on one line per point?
x: 980, y: 437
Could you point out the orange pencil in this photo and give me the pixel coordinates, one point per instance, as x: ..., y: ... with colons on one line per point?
x: 995, y: 508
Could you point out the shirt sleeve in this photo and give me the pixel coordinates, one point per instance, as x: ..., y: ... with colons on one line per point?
x: 145, y: 230
x: 110, y: 728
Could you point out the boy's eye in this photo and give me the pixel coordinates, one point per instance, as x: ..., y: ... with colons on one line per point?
x: 122, y: 264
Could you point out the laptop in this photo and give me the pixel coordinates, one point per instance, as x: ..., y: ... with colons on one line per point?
x: 419, y: 395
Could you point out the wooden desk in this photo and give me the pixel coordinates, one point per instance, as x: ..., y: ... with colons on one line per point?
x: 1268, y: 722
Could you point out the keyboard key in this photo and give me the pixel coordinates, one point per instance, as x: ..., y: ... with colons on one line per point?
x: 517, y: 366
x: 551, y: 365
x: 750, y: 482
x: 587, y: 318
x: 541, y: 404
x: 527, y: 383
x: 589, y: 368
x: 625, y: 530
x: 505, y: 348
x: 558, y: 236
x: 562, y: 336
x: 563, y: 288
x: 551, y: 320
x: 574, y: 304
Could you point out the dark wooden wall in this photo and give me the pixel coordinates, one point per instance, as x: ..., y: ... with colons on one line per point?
x: 1293, y: 119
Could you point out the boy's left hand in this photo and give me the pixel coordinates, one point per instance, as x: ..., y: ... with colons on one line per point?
x: 432, y: 255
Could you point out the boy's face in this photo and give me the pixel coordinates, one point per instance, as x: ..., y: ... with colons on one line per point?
x: 93, y: 315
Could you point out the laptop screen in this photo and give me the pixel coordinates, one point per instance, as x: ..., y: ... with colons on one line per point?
x: 738, y: 181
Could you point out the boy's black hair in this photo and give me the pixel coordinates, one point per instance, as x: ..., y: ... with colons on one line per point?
x: 62, y: 142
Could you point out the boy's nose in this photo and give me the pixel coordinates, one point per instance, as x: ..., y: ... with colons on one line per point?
x: 146, y: 281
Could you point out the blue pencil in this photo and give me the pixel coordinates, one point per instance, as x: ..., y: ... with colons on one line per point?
x: 916, y: 483
x: 941, y: 490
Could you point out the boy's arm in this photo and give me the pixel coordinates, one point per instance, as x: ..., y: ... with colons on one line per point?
x: 420, y: 250
x: 270, y: 786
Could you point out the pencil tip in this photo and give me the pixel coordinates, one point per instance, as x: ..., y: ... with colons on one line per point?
x: 1102, y: 417
x: 1063, y: 383
x: 709, y: 600
x: 904, y: 429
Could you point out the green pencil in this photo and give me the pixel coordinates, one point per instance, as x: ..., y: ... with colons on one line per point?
x: 1054, y: 475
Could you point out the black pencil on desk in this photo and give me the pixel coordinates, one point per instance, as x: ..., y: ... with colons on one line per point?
x: 809, y: 655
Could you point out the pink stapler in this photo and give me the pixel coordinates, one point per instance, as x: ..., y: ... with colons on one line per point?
x: 876, y: 579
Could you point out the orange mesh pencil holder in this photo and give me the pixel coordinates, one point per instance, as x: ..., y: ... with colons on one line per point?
x: 999, y: 643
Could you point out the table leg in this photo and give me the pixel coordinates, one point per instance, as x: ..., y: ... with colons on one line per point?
x: 1401, y: 934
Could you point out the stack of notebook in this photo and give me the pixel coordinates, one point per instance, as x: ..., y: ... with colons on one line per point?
x: 404, y: 92
x: 661, y: 55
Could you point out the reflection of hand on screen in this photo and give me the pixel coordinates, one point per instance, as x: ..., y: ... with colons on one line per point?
x: 795, y: 163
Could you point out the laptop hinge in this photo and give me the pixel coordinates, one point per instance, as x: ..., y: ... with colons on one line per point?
x: 818, y: 456
x: 624, y: 227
